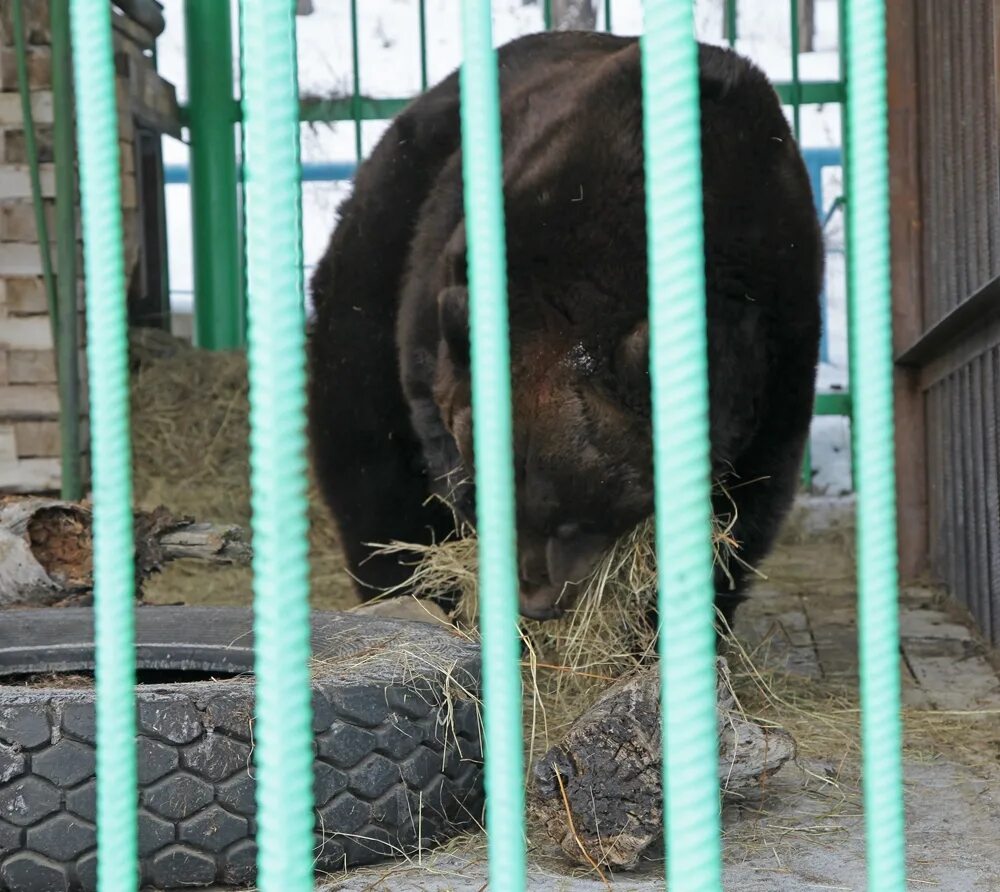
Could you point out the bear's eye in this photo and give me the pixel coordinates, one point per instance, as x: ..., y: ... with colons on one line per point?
x: 567, y: 530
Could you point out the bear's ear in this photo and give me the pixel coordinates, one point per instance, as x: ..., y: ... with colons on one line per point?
x: 632, y: 360
x: 453, y: 318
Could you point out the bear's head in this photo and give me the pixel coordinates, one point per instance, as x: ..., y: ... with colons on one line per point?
x: 582, y: 444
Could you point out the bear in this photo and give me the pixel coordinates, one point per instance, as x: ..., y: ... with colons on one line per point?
x: 390, y: 423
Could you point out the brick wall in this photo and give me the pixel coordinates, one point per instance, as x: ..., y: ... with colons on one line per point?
x: 29, y: 396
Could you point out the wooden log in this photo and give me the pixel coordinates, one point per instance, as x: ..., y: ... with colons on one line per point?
x: 599, y: 792
x: 46, y: 548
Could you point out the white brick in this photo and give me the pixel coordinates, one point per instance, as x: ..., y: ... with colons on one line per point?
x: 30, y: 475
x: 15, y: 181
x: 41, y: 108
x: 29, y: 401
x: 26, y: 333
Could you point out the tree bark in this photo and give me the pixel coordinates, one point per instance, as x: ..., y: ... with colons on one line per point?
x: 46, y: 548
x: 599, y: 792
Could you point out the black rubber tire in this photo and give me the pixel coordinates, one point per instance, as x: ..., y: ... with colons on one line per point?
x: 398, y: 749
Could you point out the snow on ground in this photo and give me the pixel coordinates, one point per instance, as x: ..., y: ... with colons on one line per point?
x: 389, y: 66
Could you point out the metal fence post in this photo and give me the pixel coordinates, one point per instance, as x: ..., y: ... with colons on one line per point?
x: 220, y: 315
x: 68, y: 343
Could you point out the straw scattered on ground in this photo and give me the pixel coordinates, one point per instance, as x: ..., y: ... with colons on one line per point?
x: 190, y: 434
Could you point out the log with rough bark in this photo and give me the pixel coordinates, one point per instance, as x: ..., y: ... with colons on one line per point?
x: 599, y: 792
x: 46, y: 548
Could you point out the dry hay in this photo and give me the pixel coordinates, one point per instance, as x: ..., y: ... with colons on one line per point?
x: 190, y: 445
x: 567, y: 663
x: 190, y: 435
x: 571, y: 660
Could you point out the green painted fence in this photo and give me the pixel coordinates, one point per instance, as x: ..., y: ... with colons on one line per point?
x: 283, y: 753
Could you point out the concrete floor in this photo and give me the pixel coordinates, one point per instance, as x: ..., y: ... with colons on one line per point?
x: 806, y: 832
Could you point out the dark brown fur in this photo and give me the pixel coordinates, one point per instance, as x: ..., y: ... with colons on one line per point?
x: 389, y: 394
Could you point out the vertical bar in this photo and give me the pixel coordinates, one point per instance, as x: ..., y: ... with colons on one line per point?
x: 220, y: 322
x: 283, y: 730
x: 796, y: 81
x: 547, y: 14
x: 356, y: 76
x: 871, y: 335
x: 492, y: 432
x: 844, y: 42
x: 31, y: 152
x: 97, y: 137
x: 67, y: 342
x: 607, y: 17
x: 423, y: 43
x: 731, y: 22
x: 807, y: 466
x: 679, y: 375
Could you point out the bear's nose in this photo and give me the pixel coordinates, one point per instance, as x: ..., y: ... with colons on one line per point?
x: 540, y: 601
x: 534, y: 568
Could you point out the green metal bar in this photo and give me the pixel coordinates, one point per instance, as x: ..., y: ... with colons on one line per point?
x: 878, y: 612
x: 731, y: 22
x: 607, y: 16
x: 283, y: 729
x: 422, y: 7
x: 547, y: 14
x: 833, y: 404
x: 384, y: 109
x: 679, y: 375
x: 796, y: 80
x: 220, y: 321
x: 807, y: 468
x: 844, y: 40
x: 838, y: 404
x: 356, y: 75
x: 492, y: 433
x: 31, y: 150
x: 811, y: 92
x: 67, y: 343
x: 97, y: 139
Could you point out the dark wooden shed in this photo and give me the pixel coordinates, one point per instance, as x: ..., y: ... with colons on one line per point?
x: 944, y: 132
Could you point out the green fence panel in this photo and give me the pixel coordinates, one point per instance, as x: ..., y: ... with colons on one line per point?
x: 492, y: 432
x: 97, y: 140
x: 679, y: 374
x: 283, y: 735
x: 871, y: 386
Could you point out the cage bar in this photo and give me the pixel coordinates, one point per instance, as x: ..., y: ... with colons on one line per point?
x: 871, y: 387
x: 111, y: 454
x: 283, y: 734
x: 493, y: 445
x: 679, y: 377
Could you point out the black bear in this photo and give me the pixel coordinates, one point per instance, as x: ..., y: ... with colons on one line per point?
x: 389, y: 397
